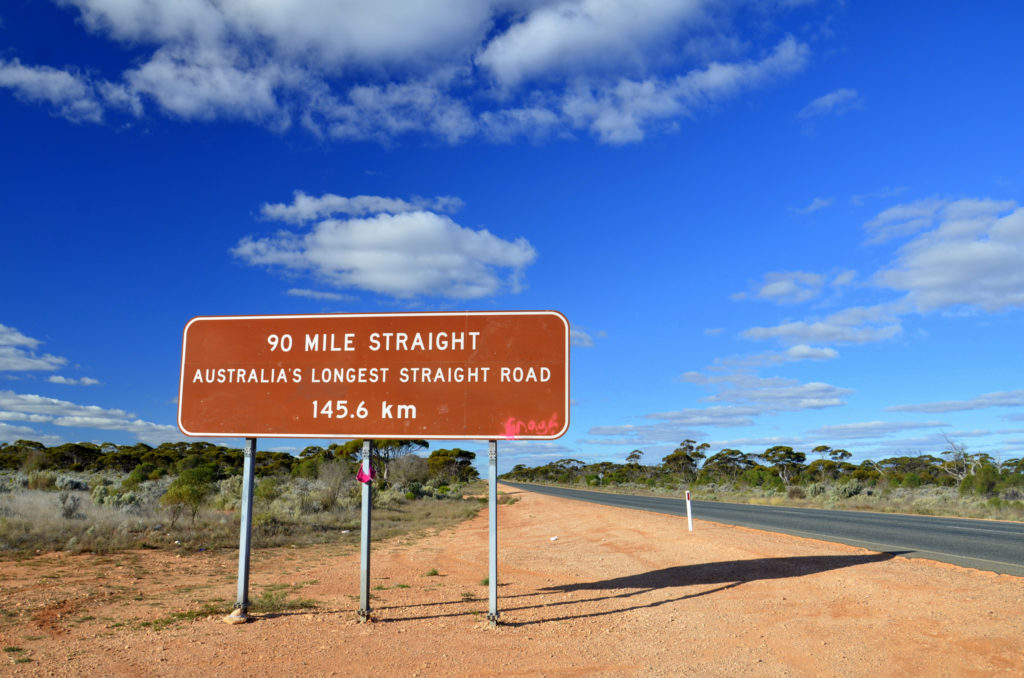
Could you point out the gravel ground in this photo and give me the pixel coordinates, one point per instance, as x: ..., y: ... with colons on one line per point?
x: 584, y: 590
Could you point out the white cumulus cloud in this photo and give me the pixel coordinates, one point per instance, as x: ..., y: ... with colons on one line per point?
x: 449, y: 69
x: 973, y: 258
x: 17, y: 354
x: 403, y: 253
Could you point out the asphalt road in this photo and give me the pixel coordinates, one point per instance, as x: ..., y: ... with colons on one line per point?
x: 982, y: 544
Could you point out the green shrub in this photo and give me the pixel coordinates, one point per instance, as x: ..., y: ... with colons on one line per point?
x: 847, y: 490
x: 140, y: 474
x: 267, y: 489
x: 911, y: 480
x: 189, y: 491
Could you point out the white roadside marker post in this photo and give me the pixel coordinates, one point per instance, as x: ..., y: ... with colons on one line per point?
x: 689, y: 514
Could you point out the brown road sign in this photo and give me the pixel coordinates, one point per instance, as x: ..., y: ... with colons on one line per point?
x: 480, y: 376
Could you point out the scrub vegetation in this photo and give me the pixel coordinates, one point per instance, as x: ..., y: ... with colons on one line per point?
x: 187, y: 496
x: 954, y: 483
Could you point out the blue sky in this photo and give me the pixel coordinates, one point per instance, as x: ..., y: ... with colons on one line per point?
x: 768, y: 222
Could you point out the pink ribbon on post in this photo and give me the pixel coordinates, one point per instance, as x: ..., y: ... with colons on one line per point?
x: 364, y: 477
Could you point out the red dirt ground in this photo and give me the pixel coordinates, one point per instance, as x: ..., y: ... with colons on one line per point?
x: 618, y: 593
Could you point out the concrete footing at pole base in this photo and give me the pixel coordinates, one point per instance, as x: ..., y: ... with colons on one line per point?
x: 237, y: 617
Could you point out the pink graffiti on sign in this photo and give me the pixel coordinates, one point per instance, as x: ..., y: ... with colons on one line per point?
x: 517, y: 427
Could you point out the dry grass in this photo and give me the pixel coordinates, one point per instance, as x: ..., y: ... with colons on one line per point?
x: 32, y: 521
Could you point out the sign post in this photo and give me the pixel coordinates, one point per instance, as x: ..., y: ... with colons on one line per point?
x: 241, y: 612
x: 366, y: 476
x: 492, y: 536
x: 406, y: 376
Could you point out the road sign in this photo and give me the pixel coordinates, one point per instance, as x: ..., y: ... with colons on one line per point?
x: 469, y: 375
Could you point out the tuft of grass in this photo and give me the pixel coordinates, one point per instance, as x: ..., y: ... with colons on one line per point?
x: 275, y: 598
x: 19, y: 652
x: 162, y: 623
x: 402, y: 586
x: 432, y: 573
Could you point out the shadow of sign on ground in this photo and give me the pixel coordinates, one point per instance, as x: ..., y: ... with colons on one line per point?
x: 727, y: 574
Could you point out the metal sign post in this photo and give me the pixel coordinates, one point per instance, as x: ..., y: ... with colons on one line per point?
x: 492, y: 517
x: 241, y: 612
x: 364, y: 541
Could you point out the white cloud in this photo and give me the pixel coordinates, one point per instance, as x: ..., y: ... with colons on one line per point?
x: 12, y: 433
x: 843, y: 279
x: 14, y: 358
x: 790, y: 288
x: 999, y: 399
x: 315, y: 294
x: 834, y: 103
x: 12, y: 337
x: 794, y: 287
x: 902, y: 220
x: 404, y: 254
x: 69, y: 94
x: 747, y: 396
x: 580, y: 338
x: 70, y: 381
x: 973, y: 258
x: 205, y: 84
x: 309, y: 208
x: 815, y: 205
x: 855, y: 325
x: 964, y: 254
x: 649, y: 437
x: 805, y: 352
x: 777, y: 394
x: 888, y: 192
x: 41, y: 409
x: 378, y: 70
x: 619, y: 113
x: 872, y: 429
x: 732, y: 364
x: 382, y: 112
x: 573, y: 34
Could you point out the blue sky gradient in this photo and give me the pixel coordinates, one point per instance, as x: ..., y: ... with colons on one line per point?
x: 769, y: 223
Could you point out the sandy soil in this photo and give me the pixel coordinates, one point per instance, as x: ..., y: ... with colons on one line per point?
x: 618, y: 593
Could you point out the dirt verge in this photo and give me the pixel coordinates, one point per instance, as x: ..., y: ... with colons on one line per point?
x: 583, y: 590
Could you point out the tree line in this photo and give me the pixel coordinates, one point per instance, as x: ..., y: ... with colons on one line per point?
x: 781, y: 467
x: 144, y: 462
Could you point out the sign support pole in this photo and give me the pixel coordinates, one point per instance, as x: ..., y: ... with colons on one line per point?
x: 241, y: 612
x: 492, y: 517
x: 364, y: 542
